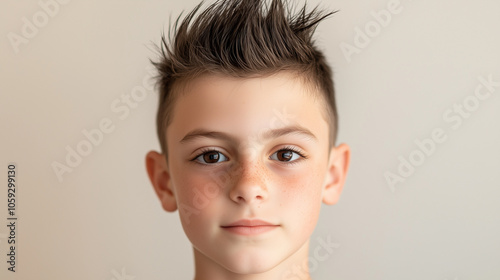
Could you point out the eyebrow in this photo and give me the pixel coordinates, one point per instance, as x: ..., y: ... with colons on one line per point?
x: 275, y: 133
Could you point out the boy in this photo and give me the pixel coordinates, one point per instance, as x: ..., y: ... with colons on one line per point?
x: 247, y: 126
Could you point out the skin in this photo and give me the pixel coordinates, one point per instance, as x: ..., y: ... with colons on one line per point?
x: 248, y: 177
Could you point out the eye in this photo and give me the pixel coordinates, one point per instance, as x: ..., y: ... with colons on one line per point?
x: 288, y: 155
x: 210, y: 156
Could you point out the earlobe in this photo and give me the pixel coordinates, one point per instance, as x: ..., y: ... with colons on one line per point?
x: 338, y: 165
x: 159, y: 176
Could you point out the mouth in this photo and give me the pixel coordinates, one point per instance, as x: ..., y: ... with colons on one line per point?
x: 249, y: 227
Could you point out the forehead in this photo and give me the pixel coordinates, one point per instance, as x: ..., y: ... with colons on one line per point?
x: 246, y: 106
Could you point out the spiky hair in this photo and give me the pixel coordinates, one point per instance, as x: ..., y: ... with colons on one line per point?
x: 243, y: 38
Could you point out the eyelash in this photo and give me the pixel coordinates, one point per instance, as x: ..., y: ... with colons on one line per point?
x: 287, y: 148
x: 295, y: 150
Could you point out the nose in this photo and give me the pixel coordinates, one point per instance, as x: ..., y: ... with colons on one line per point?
x: 249, y: 185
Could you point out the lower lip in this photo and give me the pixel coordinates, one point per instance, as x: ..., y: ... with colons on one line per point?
x: 242, y: 230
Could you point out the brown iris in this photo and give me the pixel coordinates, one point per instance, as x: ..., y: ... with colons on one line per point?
x: 211, y: 157
x: 285, y: 155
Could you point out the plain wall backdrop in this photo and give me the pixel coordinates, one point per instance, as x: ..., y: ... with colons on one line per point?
x: 418, y: 94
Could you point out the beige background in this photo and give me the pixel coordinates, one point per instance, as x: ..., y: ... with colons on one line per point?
x: 103, y: 221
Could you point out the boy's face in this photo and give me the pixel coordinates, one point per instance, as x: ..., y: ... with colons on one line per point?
x: 280, y: 177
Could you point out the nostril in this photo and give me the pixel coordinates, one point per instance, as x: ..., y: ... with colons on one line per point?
x: 242, y: 199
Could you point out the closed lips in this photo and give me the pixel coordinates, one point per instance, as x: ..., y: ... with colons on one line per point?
x: 249, y: 223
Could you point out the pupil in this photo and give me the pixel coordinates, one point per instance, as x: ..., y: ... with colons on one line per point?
x: 287, y: 155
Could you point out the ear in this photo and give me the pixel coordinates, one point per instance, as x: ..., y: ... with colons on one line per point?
x: 156, y: 165
x: 338, y: 165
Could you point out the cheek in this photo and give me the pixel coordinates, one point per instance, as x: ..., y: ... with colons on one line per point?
x: 301, y: 196
x: 193, y: 194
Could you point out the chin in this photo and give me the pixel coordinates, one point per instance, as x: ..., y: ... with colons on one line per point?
x: 251, y: 262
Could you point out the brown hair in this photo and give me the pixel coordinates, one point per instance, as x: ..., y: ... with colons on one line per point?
x: 243, y: 38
